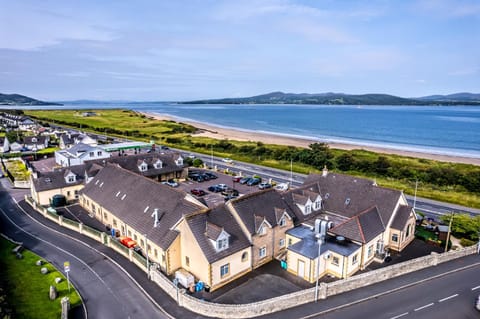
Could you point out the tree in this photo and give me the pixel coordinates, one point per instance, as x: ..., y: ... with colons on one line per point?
x: 197, y: 162
x: 464, y: 225
x: 345, y: 162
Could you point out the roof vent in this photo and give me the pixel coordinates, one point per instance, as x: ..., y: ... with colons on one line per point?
x: 327, y: 195
x: 347, y: 201
x: 340, y: 240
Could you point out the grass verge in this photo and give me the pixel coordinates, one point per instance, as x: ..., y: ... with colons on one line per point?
x: 27, y: 289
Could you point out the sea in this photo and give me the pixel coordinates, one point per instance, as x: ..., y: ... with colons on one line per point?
x: 445, y: 130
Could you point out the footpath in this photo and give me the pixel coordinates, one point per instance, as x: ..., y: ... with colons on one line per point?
x: 156, y: 294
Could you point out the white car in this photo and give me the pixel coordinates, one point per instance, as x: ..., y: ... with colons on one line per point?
x: 282, y: 187
x: 477, y: 303
x: 227, y: 160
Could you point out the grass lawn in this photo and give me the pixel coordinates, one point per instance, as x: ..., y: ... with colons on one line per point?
x: 18, y: 170
x: 28, y: 289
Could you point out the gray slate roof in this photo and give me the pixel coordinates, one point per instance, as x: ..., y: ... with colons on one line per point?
x: 221, y: 218
x: 401, y: 217
x: 55, y: 180
x: 348, y: 195
x: 131, y: 163
x: 362, y: 227
x: 133, y: 199
x: 264, y: 204
x: 308, y: 246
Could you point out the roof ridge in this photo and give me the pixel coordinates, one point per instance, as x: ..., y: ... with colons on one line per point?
x: 360, y: 228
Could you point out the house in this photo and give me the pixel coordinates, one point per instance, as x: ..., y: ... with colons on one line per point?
x: 35, y: 143
x: 214, y: 247
x: 157, y: 166
x: 4, y: 144
x: 67, y: 140
x: 142, y: 209
x: 78, y: 154
x: 16, y: 121
x: 67, y: 181
x: 364, y: 222
x: 264, y: 218
x: 16, y: 147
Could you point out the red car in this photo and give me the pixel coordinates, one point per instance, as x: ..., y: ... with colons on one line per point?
x: 237, y: 178
x: 197, y: 192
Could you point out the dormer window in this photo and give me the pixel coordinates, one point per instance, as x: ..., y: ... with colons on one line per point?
x: 71, y: 178
x: 179, y: 161
x: 34, y: 140
x: 317, y: 204
x: 262, y: 230
x: 158, y: 164
x: 222, y: 244
x: 282, y: 222
x: 308, y: 209
x: 143, y: 167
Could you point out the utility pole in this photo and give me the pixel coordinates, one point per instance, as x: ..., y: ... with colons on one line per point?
x: 449, y: 230
x: 415, y: 197
x: 291, y: 172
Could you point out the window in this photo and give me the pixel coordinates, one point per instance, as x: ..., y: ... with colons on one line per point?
x: 114, y: 222
x: 262, y: 252
x: 155, y: 253
x: 129, y: 233
x: 245, y: 256
x: 99, y: 153
x: 105, y: 215
x: 370, y: 251
x: 281, y: 242
x: 187, y: 261
x: 91, y: 154
x: 93, y: 209
x: 68, y: 193
x: 262, y: 230
x: 222, y: 244
x: 71, y: 178
x: 163, y: 258
x: 142, y: 244
x: 143, y: 167
x: 335, y: 261
x: 289, y: 242
x: 149, y: 248
x: 308, y: 209
x: 355, y: 259
x: 395, y: 237
x: 408, y: 230
x: 135, y: 237
x: 318, y: 204
x: 224, y: 270
x: 282, y: 222
x: 76, y: 193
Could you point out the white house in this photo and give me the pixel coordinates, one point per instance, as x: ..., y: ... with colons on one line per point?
x: 78, y: 154
x: 4, y: 145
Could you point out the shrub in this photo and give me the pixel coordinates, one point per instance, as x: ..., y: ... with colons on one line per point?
x: 467, y: 242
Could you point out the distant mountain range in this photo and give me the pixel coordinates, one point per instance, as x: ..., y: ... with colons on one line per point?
x: 346, y: 99
x: 17, y: 99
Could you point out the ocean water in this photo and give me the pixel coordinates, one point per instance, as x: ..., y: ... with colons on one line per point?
x: 449, y: 130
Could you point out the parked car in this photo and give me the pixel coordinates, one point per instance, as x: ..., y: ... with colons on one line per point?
x: 197, y: 192
x: 227, y: 160
x: 205, y: 177
x: 237, y: 178
x: 245, y: 180
x: 215, y: 189
x: 264, y: 185
x: 229, y: 197
x: 210, y: 175
x: 230, y: 191
x: 196, y: 178
x: 282, y: 187
x: 170, y: 183
x: 253, y: 181
x: 477, y: 303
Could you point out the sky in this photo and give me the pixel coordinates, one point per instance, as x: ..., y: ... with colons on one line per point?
x: 159, y: 50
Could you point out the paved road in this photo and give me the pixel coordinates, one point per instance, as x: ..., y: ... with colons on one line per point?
x: 108, y: 292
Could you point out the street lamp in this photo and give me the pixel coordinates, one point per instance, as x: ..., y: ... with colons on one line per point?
x: 319, y: 242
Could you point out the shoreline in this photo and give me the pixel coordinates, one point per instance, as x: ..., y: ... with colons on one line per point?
x: 217, y: 132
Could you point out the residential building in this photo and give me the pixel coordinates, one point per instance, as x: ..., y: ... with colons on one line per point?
x: 4, y: 144
x: 67, y: 140
x: 36, y: 143
x: 78, y: 154
x: 67, y: 181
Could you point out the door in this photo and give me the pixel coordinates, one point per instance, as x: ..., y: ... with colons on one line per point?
x: 301, y: 269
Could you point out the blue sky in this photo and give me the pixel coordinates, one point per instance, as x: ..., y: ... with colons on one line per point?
x: 183, y: 50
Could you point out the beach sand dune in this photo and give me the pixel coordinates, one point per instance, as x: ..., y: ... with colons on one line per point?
x: 206, y: 130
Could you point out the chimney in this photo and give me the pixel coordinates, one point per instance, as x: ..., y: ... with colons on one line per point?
x: 325, y: 171
x: 155, y: 217
x: 317, y: 226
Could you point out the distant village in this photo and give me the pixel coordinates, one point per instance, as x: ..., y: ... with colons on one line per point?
x: 333, y: 225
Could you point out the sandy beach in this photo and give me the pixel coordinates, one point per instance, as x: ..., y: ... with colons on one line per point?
x: 216, y: 132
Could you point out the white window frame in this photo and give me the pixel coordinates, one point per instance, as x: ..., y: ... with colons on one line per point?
x: 281, y: 242
x: 225, y: 270
x: 395, y: 238
x: 355, y: 259
x: 262, y: 252
x: 335, y: 261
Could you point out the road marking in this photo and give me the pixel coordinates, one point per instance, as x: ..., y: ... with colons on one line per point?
x: 449, y: 297
x: 475, y: 288
x: 403, y: 314
x: 423, y: 307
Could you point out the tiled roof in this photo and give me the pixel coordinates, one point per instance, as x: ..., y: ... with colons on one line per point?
x: 56, y: 179
x: 263, y: 204
x: 401, y: 218
x: 221, y: 216
x: 28, y: 140
x: 213, y: 231
x: 133, y: 199
x: 362, y: 227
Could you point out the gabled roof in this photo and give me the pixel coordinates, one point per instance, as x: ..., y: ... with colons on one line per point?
x: 263, y: 204
x: 362, y: 227
x: 55, y: 180
x: 348, y: 195
x: 79, y: 150
x: 38, y: 140
x: 132, y: 162
x: 279, y: 213
x: 401, y: 218
x: 221, y: 216
x: 133, y: 198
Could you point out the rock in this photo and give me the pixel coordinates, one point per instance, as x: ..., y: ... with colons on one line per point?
x: 44, y: 270
x: 39, y: 262
x: 53, y: 293
x: 19, y: 256
x: 58, y: 280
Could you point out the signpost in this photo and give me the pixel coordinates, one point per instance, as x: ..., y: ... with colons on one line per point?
x: 66, y: 268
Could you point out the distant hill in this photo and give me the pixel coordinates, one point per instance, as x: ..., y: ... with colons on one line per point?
x: 17, y: 99
x: 333, y: 99
x: 457, y: 97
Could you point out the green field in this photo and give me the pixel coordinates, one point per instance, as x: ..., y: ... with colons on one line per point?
x: 449, y: 182
x: 27, y: 289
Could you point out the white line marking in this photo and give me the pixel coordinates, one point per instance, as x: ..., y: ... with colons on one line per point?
x: 403, y: 314
x: 475, y: 288
x: 449, y: 297
x: 423, y: 307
